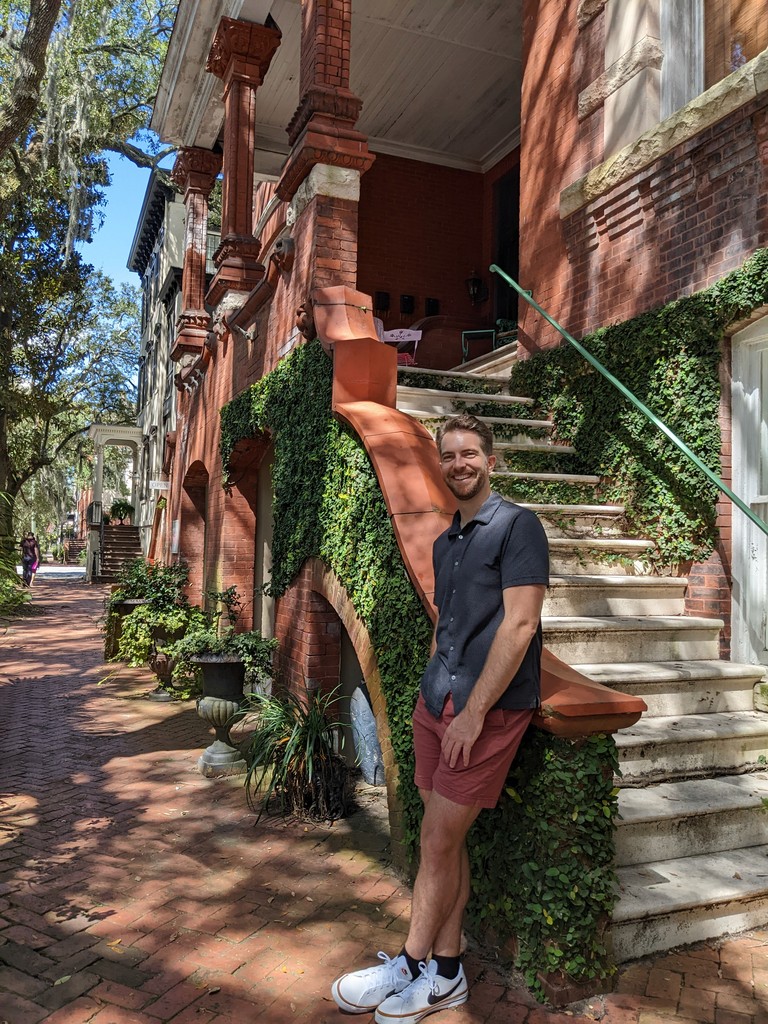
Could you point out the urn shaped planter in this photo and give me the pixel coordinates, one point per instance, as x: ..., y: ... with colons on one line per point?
x: 223, y: 681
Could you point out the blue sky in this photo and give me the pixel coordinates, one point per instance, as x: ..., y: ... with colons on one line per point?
x: 112, y: 242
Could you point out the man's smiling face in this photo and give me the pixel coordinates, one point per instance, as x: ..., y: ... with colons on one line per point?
x: 465, y: 467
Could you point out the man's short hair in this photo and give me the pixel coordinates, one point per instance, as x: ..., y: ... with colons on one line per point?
x: 467, y: 423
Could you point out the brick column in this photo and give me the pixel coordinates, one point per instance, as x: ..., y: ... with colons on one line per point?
x: 322, y: 130
x: 240, y: 56
x: 195, y: 171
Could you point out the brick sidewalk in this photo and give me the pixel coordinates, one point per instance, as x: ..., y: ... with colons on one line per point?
x: 134, y: 891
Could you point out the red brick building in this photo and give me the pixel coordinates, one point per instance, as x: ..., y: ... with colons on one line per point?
x: 611, y: 155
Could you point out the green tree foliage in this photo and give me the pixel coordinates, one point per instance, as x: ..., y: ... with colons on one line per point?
x: 77, y: 80
x: 98, y: 75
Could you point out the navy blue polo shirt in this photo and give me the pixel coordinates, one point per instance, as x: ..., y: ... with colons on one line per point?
x: 503, y: 546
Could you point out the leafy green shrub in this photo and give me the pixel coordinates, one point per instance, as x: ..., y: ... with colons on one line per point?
x: 160, y: 584
x: 12, y: 594
x: 149, y: 629
x: 292, y: 756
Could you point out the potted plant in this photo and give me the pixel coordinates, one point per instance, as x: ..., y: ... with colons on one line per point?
x: 120, y: 509
x: 224, y: 660
x: 293, y: 755
x: 141, y: 583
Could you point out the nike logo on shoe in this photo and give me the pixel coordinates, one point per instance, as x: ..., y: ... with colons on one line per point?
x: 433, y: 998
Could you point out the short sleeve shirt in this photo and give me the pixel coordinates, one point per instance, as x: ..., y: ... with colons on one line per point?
x: 503, y: 546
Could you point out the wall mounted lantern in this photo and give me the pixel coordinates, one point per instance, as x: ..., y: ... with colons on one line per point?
x: 476, y: 288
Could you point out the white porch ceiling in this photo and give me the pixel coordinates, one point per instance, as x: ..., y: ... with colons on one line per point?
x: 439, y: 79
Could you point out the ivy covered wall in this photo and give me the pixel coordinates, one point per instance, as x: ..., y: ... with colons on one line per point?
x: 670, y: 359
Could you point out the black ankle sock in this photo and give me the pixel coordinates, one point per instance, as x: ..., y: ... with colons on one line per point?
x: 447, y: 966
x: 413, y: 965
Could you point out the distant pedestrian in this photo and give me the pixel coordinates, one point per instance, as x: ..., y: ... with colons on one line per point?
x: 30, y: 558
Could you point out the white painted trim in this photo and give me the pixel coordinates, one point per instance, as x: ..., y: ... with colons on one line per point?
x: 750, y: 546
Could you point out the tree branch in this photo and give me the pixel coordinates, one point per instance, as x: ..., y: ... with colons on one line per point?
x: 138, y: 156
x: 16, y: 113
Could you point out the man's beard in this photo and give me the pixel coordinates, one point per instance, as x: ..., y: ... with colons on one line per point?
x: 467, y: 488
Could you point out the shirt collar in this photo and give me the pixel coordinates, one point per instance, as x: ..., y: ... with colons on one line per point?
x: 483, y: 515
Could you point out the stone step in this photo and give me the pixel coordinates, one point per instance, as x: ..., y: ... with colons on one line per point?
x: 562, y: 478
x: 690, y: 899
x: 573, y: 511
x: 596, y: 639
x: 507, y: 421
x: 692, y: 746
x: 496, y: 363
x: 442, y: 402
x: 690, y: 817
x: 609, y: 556
x: 522, y: 443
x: 457, y: 374
x: 587, y: 595
x: 671, y: 688
x: 599, y: 522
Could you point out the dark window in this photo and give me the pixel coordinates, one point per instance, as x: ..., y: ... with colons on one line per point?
x: 506, y: 212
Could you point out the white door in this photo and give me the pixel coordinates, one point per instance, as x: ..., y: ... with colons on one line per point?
x: 750, y: 483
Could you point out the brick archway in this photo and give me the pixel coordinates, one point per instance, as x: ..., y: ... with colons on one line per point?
x: 307, y: 623
x: 193, y: 527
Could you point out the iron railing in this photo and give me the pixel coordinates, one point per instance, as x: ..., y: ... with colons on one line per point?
x: 690, y: 455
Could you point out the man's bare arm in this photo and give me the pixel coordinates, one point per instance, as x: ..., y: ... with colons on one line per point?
x: 522, y: 611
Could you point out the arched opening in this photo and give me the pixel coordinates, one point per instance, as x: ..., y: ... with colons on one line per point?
x: 325, y: 644
x: 192, y: 529
x: 248, y: 528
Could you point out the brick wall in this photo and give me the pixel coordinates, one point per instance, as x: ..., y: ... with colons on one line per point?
x: 421, y: 234
x: 310, y: 641
x: 672, y: 229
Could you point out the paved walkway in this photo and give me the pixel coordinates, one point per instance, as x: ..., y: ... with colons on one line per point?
x: 134, y: 891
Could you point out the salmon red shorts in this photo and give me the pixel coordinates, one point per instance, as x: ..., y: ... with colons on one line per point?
x: 482, y: 781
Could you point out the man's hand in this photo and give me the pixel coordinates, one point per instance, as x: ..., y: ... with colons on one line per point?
x: 460, y: 736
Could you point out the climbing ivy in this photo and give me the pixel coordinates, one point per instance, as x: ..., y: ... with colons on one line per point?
x: 328, y: 504
x: 553, y: 834
x: 669, y: 359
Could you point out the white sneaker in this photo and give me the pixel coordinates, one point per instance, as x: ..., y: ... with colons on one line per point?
x: 362, y: 991
x: 427, y: 994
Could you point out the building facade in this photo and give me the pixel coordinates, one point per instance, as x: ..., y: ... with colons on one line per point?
x: 156, y: 256
x: 610, y: 155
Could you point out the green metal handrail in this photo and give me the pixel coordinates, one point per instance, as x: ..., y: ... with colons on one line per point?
x: 635, y: 401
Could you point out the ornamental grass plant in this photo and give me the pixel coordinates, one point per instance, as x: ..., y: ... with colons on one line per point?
x: 293, y: 759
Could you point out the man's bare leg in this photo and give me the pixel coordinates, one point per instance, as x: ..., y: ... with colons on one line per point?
x: 441, y: 889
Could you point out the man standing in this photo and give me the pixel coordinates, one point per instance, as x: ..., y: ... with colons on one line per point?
x: 478, y: 695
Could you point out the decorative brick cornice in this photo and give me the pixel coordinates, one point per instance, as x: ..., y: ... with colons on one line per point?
x: 341, y: 106
x: 196, y: 169
x: 245, y: 246
x: 242, y: 49
x: 320, y: 144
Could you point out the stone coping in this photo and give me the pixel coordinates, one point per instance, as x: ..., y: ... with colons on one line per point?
x: 726, y: 96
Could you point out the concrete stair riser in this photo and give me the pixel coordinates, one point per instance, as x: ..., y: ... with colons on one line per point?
x: 634, y: 939
x: 614, y: 595
x: 690, y: 899
x: 619, y: 639
x: 690, y: 818
x: 658, y: 750
x: 690, y: 697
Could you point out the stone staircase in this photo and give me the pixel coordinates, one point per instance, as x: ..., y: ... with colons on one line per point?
x: 692, y: 839
x: 121, y: 544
